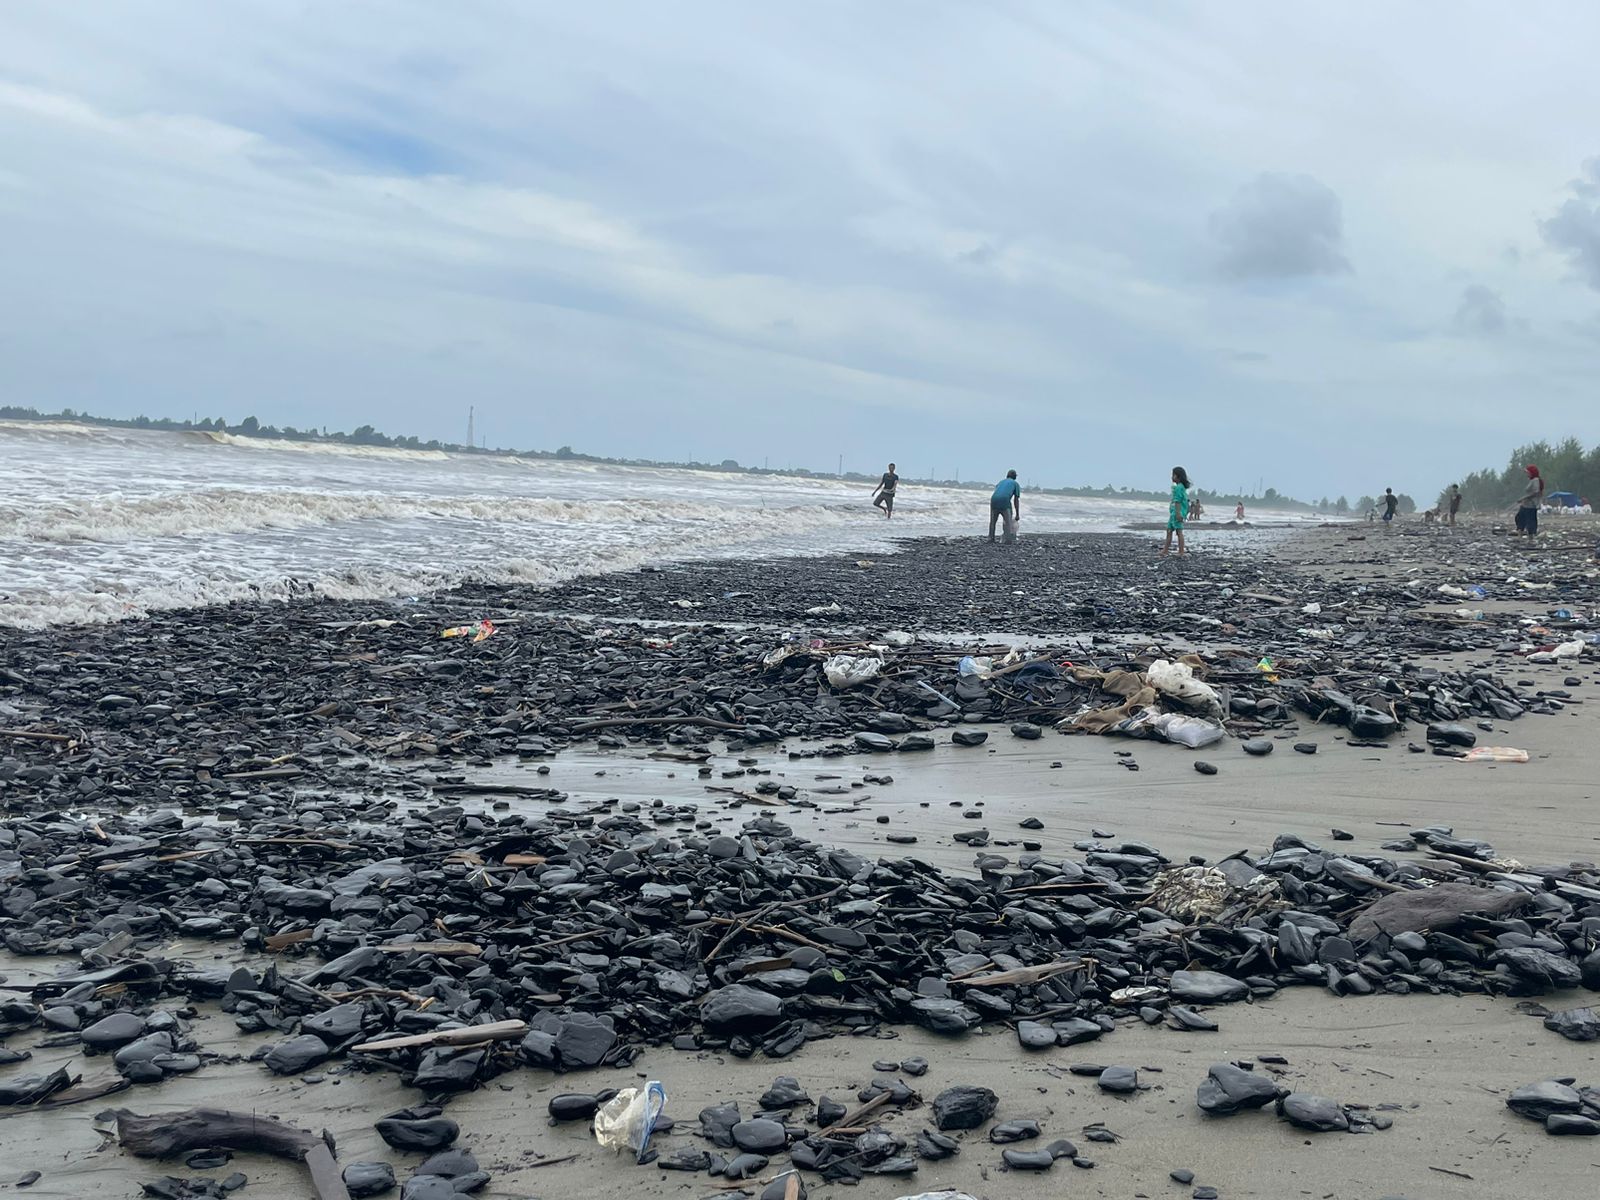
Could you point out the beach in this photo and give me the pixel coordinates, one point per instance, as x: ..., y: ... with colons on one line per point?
x: 626, y: 692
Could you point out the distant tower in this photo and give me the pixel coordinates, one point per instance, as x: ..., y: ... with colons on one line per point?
x: 471, y: 414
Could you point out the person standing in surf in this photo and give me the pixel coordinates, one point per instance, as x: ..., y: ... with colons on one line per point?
x: 1005, y: 506
x: 1177, y: 510
x: 883, y: 494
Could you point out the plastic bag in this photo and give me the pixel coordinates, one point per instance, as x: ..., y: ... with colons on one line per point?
x: 899, y: 637
x: 1193, y: 732
x: 627, y: 1120
x: 947, y: 1195
x: 1569, y: 650
x: 831, y: 609
x: 848, y: 670
x: 1499, y: 754
x: 1177, y: 681
x: 981, y: 667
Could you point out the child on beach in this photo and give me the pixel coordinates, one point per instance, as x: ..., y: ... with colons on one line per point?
x: 1177, y: 510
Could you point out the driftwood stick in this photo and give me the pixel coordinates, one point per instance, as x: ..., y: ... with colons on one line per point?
x: 854, y: 1118
x: 708, y: 722
x: 470, y: 1035
x: 32, y: 736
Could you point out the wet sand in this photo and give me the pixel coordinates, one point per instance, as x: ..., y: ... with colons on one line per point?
x: 1446, y: 1062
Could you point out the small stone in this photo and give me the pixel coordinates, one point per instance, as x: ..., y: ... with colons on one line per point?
x: 1575, y: 1024
x: 368, y: 1179
x: 1028, y: 1160
x: 1571, y: 1125
x: 1204, y: 767
x: 1181, y: 1176
x: 1119, y: 1080
x: 1256, y: 746
x: 1305, y: 747
x: 970, y: 737
x: 759, y: 1136
x: 1207, y: 987
x: 1316, y: 1113
x: 1013, y: 1131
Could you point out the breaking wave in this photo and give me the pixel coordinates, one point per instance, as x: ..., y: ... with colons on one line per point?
x: 230, y: 510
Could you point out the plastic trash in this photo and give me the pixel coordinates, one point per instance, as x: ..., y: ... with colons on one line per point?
x: 1478, y: 592
x: 1568, y: 650
x: 848, y: 670
x: 1193, y: 732
x: 1313, y: 608
x: 1562, y: 614
x: 1176, y: 680
x: 477, y: 631
x: 825, y: 610
x: 1499, y: 754
x: 776, y: 657
x: 980, y: 667
x: 627, y: 1120
x: 899, y: 637
x: 945, y: 1195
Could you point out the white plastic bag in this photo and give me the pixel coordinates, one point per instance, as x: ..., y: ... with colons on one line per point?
x: 1193, y: 732
x: 1177, y: 681
x: 848, y: 670
x: 899, y: 637
x: 1569, y: 650
x: 627, y: 1120
x: 981, y: 667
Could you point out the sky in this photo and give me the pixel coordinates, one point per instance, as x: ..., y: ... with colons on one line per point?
x: 1327, y: 249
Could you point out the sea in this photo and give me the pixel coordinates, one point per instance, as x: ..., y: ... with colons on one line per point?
x: 105, y: 524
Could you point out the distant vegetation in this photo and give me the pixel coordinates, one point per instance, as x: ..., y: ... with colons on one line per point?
x: 1566, y: 467
x: 1219, y: 505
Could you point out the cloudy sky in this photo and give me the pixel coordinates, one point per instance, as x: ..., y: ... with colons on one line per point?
x: 1336, y: 249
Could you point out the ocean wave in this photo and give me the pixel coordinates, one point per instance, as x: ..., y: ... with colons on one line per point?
x: 401, y: 453
x: 208, y: 511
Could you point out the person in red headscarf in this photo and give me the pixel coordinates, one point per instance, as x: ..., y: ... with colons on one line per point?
x: 1528, y: 506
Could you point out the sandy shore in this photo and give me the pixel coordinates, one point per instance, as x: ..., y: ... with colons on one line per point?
x: 1446, y: 1064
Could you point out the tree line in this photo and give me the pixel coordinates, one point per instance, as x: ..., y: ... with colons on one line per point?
x: 1566, y: 467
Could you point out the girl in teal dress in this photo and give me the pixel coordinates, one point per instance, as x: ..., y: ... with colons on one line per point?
x: 1178, y: 510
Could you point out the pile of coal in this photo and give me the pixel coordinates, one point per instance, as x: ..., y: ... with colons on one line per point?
x: 206, y: 708
x: 578, y: 937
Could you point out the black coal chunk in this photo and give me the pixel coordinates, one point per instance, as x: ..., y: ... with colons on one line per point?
x: 963, y: 1107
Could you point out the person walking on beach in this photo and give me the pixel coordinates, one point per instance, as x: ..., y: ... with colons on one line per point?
x: 1390, y: 503
x: 1006, y: 506
x: 883, y: 494
x: 1455, y: 502
x: 1177, y: 510
x: 1528, y: 506
x: 1238, y: 511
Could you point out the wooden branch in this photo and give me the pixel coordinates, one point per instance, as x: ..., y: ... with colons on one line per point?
x: 854, y: 1118
x: 31, y: 736
x: 708, y: 722
x: 1022, y: 975
x: 268, y: 773
x: 446, y: 949
x: 470, y: 1035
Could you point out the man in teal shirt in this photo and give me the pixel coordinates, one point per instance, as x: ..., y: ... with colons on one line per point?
x: 1006, y: 506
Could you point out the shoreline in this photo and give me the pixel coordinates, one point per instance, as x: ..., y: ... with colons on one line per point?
x: 1105, y: 596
